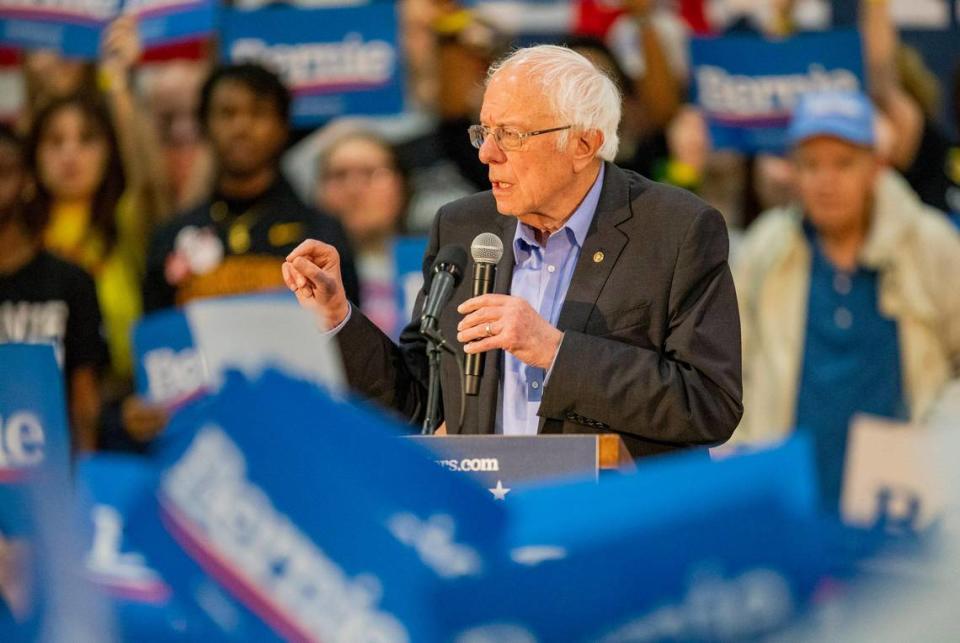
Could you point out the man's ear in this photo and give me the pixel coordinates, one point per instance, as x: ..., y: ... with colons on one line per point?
x: 586, y: 146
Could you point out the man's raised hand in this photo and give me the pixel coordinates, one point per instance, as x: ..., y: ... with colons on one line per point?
x: 312, y: 273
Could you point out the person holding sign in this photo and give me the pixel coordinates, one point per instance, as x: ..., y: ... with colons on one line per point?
x: 847, y: 299
x: 50, y: 77
x: 44, y: 299
x: 614, y: 308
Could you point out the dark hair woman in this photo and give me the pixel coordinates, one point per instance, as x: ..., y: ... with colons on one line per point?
x: 85, y: 212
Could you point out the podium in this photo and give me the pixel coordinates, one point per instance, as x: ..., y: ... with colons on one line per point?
x: 502, y: 461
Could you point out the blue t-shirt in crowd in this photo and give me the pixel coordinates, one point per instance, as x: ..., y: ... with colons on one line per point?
x: 851, y: 364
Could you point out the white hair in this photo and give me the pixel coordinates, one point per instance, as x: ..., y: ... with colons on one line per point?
x: 579, y: 93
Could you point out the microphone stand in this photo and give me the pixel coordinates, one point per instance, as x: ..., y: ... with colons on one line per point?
x: 435, y: 346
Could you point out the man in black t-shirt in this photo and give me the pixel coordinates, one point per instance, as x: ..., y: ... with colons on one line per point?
x: 236, y: 242
x: 44, y: 299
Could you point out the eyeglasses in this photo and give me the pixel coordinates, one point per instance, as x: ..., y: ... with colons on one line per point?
x: 361, y: 174
x: 508, y: 139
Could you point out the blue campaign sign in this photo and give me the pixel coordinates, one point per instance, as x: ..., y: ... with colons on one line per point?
x: 408, y: 262
x: 109, y: 486
x: 747, y: 86
x: 169, y: 369
x: 282, y: 513
x: 162, y: 22
x: 71, y: 27
x: 681, y: 550
x: 182, y: 353
x: 37, y: 533
x: 74, y: 27
x: 336, y: 61
x: 33, y: 419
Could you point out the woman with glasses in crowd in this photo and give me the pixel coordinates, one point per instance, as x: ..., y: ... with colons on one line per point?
x: 362, y: 183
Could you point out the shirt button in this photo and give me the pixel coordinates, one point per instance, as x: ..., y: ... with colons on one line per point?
x: 842, y: 283
x: 535, y: 385
x: 551, y: 268
x: 843, y: 318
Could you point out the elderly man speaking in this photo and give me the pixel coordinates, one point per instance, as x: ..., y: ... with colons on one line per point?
x: 613, y: 308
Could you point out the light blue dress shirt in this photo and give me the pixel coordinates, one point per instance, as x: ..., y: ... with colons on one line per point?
x: 541, y: 276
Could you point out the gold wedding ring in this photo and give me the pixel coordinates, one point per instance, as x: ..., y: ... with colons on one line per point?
x: 488, y: 329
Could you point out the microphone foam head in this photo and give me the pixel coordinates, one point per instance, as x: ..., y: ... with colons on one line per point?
x: 486, y: 248
x: 452, y: 259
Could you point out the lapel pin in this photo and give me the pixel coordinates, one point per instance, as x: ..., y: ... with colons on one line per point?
x: 598, y: 256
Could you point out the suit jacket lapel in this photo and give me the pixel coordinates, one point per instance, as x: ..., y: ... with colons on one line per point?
x: 600, y: 251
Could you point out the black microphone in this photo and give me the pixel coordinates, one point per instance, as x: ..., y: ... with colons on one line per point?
x: 486, y: 249
x: 447, y: 272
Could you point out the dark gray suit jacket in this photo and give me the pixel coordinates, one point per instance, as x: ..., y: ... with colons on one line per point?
x: 651, y: 346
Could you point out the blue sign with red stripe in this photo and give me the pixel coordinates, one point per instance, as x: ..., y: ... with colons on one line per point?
x: 74, y: 27
x: 280, y: 513
x: 747, y: 86
x: 336, y: 61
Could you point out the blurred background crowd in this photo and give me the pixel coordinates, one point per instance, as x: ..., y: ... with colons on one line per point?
x: 143, y: 180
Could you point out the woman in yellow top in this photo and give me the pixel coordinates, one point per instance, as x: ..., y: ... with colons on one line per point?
x: 91, y: 220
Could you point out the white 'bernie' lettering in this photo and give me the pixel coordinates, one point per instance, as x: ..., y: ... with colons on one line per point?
x: 209, y: 486
x: 351, y: 61
x: 723, y: 94
x: 174, y: 374
x: 433, y: 541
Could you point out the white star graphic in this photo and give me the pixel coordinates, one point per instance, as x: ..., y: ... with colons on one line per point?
x: 499, y: 492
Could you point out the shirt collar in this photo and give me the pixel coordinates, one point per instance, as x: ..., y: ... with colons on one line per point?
x: 577, y: 225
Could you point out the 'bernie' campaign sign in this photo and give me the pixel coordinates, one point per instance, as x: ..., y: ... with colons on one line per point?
x: 747, y: 86
x: 180, y: 354
x: 337, y: 61
x: 33, y: 427
x: 74, y: 27
x: 683, y: 550
x: 279, y: 513
x: 109, y: 486
x: 42, y: 594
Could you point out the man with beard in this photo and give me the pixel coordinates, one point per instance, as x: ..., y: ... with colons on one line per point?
x: 236, y: 241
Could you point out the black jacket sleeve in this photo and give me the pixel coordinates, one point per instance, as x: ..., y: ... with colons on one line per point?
x: 392, y: 375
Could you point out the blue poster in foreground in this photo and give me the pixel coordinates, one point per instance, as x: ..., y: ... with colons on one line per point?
x: 109, y: 487
x: 281, y: 513
x: 683, y: 550
x: 33, y: 419
x: 337, y: 62
x: 43, y: 595
x: 747, y: 86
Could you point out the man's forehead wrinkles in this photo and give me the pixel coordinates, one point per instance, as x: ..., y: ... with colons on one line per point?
x: 521, y: 114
